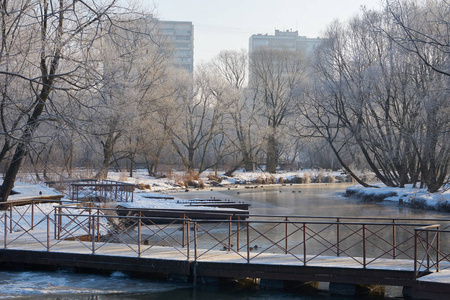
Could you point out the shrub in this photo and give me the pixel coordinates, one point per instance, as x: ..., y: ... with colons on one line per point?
x: 123, y: 176
x: 307, y: 178
x: 320, y: 177
x: 443, y: 205
x: 213, y: 177
x: 271, y: 180
x: 418, y: 203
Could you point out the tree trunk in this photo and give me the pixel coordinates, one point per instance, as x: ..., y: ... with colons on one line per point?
x: 272, y: 157
x: 21, y: 149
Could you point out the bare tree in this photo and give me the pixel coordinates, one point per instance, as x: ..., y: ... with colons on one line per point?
x: 241, y: 112
x: 50, y: 33
x: 385, y: 101
x: 198, y: 117
x: 133, y: 65
x: 422, y: 30
x: 275, y: 75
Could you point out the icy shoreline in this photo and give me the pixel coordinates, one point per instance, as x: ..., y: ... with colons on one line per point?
x: 408, y: 196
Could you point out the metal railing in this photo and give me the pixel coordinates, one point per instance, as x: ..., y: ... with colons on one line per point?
x: 429, y: 254
x: 102, y: 191
x: 304, y: 240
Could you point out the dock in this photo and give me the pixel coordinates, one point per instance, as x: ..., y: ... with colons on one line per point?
x: 275, y: 251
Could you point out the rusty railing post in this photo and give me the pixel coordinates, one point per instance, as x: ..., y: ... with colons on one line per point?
x: 238, y: 224
x: 248, y: 242
x: 183, y: 242
x: 428, y: 250
x: 286, y: 231
x: 364, y: 245
x: 188, y: 239
x: 10, y: 218
x: 90, y: 220
x: 139, y: 234
x: 48, y: 233
x: 415, y: 253
x: 98, y: 225
x: 59, y: 222
x: 338, y: 238
x: 92, y: 231
x: 32, y: 214
x: 394, y: 240
x: 195, y: 241
x: 229, y: 233
x: 55, y: 223
x: 437, y: 248
x: 304, y: 244
x: 5, y: 222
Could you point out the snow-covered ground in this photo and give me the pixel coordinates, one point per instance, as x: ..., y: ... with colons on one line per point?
x: 23, y: 191
x: 408, y: 196
x: 152, y: 187
x: 175, y: 180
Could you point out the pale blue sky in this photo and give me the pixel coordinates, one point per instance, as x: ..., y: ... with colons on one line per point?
x: 228, y: 24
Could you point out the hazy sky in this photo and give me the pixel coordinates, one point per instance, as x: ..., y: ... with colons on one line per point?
x: 228, y: 24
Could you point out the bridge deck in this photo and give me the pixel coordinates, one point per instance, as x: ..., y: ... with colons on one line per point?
x: 27, y: 250
x: 29, y: 243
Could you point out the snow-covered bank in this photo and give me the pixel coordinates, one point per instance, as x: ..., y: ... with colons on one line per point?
x: 408, y: 196
x: 178, y: 181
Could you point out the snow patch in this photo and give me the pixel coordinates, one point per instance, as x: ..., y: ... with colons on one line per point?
x: 407, y: 196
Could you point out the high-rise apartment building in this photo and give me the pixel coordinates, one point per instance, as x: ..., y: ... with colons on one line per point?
x: 283, y: 40
x: 180, y: 36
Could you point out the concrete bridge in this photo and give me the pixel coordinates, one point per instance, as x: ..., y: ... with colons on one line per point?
x: 280, y: 252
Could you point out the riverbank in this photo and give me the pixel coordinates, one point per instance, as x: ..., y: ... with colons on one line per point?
x: 407, y: 196
x: 182, y: 181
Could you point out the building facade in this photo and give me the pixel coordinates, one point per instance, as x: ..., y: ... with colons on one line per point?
x: 180, y: 35
x: 283, y: 40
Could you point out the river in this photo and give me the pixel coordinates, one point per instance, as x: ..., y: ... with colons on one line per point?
x: 306, y: 200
